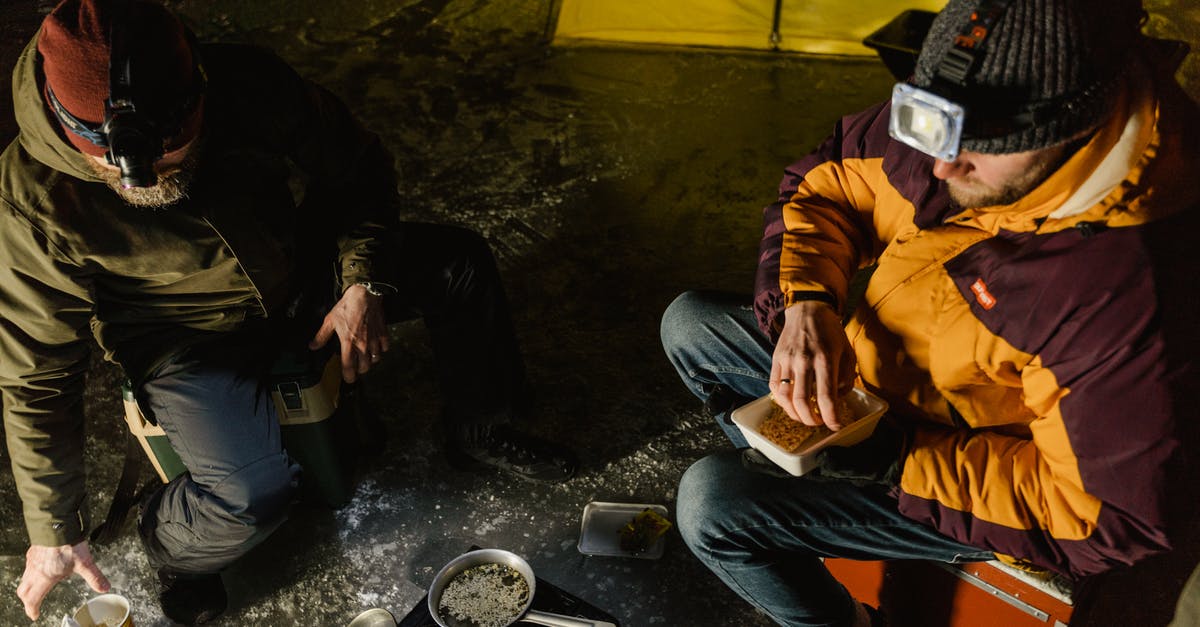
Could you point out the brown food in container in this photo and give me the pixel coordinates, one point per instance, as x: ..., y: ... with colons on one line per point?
x: 790, y: 435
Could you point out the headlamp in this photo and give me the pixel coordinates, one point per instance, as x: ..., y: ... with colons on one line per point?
x: 926, y: 121
x: 134, y: 135
x: 133, y: 144
x: 930, y: 121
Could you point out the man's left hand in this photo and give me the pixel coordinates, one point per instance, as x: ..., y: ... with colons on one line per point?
x: 877, y: 459
x: 358, y: 321
x: 46, y: 566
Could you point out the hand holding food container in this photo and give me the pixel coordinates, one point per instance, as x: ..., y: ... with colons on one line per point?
x: 794, y: 446
x: 813, y: 363
x: 491, y: 588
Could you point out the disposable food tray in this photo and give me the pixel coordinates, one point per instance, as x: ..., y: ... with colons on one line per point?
x: 598, y: 534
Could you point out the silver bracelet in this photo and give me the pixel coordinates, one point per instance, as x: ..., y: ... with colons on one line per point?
x: 372, y: 288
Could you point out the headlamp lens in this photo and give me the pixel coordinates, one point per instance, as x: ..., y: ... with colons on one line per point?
x: 926, y: 122
x: 133, y: 146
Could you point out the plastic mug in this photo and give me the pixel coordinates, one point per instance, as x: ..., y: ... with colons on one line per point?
x: 106, y: 610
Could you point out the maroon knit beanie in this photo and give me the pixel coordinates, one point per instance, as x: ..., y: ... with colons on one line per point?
x: 74, y: 47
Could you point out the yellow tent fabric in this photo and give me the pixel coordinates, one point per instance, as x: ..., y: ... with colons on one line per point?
x: 815, y: 26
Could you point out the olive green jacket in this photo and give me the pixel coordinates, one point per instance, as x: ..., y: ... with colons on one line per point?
x: 288, y: 186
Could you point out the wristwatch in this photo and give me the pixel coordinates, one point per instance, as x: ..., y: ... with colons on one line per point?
x: 374, y: 289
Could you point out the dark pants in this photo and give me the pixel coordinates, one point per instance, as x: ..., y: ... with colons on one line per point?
x: 219, y: 417
x: 221, y: 421
x: 765, y: 536
x: 448, y: 277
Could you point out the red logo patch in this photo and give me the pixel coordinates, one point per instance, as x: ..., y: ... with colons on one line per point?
x: 985, y: 298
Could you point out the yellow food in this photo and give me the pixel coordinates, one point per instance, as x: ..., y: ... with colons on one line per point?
x: 642, y: 531
x: 790, y: 435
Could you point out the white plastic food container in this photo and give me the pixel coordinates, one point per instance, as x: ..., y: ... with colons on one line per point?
x: 600, y: 531
x: 867, y: 407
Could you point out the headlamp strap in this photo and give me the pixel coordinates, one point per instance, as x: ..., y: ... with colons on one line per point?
x: 74, y: 124
x: 960, y: 60
x: 120, y: 79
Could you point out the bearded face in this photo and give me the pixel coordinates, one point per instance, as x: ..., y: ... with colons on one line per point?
x: 975, y: 180
x: 175, y: 174
x: 976, y: 189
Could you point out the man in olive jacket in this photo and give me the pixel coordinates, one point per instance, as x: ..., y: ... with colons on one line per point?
x: 186, y: 210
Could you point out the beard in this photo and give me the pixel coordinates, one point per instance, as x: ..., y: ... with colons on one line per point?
x: 969, y: 196
x: 972, y: 194
x: 969, y: 193
x: 171, y: 188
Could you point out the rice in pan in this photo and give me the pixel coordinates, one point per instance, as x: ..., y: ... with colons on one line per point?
x: 488, y: 595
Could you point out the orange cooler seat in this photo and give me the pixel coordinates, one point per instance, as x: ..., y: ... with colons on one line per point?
x: 917, y: 593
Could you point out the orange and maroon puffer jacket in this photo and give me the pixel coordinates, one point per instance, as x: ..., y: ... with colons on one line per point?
x: 1045, y: 352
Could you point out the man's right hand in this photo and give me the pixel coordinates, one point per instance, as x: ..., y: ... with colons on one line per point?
x: 358, y: 321
x: 813, y: 357
x: 45, y: 566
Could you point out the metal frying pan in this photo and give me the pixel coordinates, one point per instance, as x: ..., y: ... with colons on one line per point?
x: 514, y: 561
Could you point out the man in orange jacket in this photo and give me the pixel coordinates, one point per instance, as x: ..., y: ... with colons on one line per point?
x: 1027, y: 203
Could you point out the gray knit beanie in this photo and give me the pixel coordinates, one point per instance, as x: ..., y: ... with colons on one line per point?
x: 1069, y: 51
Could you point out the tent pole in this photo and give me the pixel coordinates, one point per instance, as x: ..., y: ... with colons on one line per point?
x: 775, y: 36
x: 551, y: 21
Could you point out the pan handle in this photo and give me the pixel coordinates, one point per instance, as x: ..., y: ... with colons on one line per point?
x: 558, y: 620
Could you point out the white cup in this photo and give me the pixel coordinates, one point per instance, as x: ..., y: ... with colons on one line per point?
x: 375, y: 617
x: 106, y: 610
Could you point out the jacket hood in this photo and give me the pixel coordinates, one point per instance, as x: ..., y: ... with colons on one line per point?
x: 40, y: 135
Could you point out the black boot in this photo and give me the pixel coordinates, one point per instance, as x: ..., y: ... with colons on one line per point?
x: 502, y: 447
x: 191, y: 599
x: 722, y: 401
x: 877, y: 617
x: 185, y: 598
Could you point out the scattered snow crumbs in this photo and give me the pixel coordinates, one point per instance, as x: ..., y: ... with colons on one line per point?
x: 489, y: 595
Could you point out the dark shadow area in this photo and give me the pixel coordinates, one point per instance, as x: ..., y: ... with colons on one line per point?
x: 914, y: 598
x: 1144, y: 594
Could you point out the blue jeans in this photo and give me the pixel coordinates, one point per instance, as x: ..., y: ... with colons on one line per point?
x: 713, y: 339
x: 765, y: 536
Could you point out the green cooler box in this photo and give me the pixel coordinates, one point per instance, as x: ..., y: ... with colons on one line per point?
x: 317, y: 418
